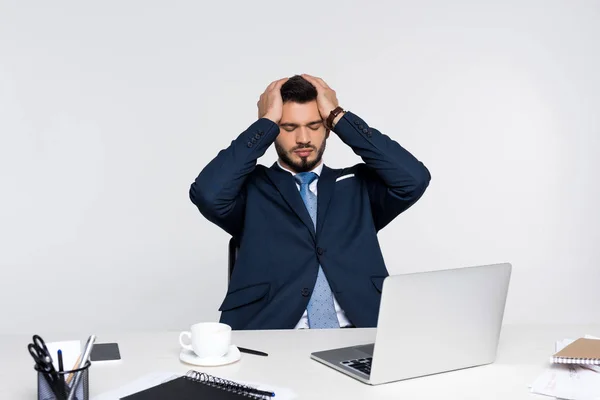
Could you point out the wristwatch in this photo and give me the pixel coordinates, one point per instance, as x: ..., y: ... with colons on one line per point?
x: 334, y: 113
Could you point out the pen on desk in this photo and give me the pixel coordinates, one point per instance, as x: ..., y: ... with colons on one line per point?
x: 84, y: 360
x: 250, y: 351
x: 61, y: 369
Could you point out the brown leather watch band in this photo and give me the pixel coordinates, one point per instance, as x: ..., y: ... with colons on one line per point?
x: 334, y: 113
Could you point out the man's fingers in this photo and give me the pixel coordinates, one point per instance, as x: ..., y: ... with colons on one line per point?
x: 280, y: 82
x: 309, y: 78
x: 275, y: 84
x: 323, y: 83
x: 316, y: 81
x: 271, y: 86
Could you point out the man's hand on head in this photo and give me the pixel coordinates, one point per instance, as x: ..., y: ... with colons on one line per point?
x: 270, y: 104
x: 326, y: 98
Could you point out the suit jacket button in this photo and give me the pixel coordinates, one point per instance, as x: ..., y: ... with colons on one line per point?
x: 320, y: 251
x: 257, y: 136
x: 249, y: 144
x: 365, y: 130
x: 305, y: 292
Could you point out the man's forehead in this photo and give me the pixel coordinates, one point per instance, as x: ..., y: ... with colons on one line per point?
x: 300, y: 114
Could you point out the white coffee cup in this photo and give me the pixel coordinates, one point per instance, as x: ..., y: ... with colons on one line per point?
x: 208, y: 339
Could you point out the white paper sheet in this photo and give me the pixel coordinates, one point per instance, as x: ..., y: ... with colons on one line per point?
x: 71, y: 350
x: 568, y: 381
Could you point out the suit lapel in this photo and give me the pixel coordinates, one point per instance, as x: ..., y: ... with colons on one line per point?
x: 325, y: 187
x: 284, y: 181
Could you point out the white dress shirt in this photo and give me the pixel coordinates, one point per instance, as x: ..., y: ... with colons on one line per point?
x: 341, y: 316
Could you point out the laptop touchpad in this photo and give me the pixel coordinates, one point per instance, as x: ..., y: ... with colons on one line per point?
x: 367, y: 349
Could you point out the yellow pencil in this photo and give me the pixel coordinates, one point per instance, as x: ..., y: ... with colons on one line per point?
x: 70, y: 377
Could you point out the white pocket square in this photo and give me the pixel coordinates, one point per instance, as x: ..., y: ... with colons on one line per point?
x: 341, y: 178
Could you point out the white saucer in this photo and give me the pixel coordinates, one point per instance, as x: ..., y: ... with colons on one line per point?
x: 189, y: 357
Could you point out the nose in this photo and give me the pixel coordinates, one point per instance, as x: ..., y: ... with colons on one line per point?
x: 302, y: 135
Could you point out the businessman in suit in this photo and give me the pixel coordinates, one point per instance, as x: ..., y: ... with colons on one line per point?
x: 308, y: 255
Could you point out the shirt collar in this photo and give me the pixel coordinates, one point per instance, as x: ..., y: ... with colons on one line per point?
x: 317, y: 170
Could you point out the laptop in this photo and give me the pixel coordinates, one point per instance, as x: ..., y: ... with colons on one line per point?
x: 428, y: 323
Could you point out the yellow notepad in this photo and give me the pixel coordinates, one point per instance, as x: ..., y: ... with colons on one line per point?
x: 582, y: 351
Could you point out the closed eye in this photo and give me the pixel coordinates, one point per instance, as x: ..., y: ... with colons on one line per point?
x: 290, y: 127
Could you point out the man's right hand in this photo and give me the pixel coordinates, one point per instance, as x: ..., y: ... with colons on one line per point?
x: 270, y: 104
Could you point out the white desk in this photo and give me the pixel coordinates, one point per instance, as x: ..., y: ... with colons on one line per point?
x: 522, y: 354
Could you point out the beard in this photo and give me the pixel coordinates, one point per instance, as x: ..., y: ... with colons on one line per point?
x: 304, y: 165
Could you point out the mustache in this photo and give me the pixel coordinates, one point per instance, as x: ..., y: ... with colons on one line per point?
x: 304, y: 146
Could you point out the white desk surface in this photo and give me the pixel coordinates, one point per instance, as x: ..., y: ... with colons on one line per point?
x: 522, y: 354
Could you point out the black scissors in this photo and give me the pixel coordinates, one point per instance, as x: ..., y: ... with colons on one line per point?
x: 40, y: 354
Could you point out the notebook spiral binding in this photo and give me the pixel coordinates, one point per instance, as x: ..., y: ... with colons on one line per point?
x: 580, y: 361
x: 224, y: 384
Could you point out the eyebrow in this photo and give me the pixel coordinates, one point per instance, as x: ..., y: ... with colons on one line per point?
x: 292, y: 125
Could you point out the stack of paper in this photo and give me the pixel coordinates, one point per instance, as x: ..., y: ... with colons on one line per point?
x: 71, y: 350
x: 569, y: 381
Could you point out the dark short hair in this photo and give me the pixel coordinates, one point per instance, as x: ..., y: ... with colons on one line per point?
x: 298, y: 90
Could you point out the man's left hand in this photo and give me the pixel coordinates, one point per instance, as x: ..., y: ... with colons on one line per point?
x: 326, y: 98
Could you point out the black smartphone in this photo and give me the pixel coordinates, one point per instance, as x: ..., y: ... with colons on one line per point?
x: 105, y: 352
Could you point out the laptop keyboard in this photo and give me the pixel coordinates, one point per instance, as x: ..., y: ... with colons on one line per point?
x: 360, y: 364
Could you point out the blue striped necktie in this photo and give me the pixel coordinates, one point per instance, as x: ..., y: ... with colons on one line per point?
x: 320, y: 309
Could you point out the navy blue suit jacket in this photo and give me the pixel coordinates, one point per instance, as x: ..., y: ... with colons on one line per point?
x: 279, y: 248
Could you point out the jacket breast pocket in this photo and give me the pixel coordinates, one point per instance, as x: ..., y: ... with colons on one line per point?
x: 341, y: 178
x: 346, y: 186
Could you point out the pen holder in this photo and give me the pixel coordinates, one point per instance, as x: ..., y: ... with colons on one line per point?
x: 50, y: 385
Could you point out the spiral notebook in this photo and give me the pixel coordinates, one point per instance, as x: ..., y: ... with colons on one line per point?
x: 582, y: 352
x: 199, y: 385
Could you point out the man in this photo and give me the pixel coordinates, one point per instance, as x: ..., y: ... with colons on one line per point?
x: 308, y: 250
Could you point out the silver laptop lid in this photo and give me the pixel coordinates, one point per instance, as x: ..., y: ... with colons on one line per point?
x: 431, y: 322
